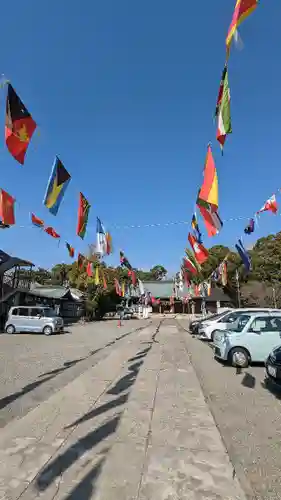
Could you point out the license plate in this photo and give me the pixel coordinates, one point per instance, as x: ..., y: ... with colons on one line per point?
x: 271, y: 370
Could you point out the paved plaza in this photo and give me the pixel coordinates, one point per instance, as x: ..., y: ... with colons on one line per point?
x: 133, y: 425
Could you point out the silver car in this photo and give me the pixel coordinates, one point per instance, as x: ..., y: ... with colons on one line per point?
x: 33, y: 319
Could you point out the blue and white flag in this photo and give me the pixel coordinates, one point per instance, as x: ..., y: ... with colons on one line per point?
x: 101, y: 238
x: 244, y: 255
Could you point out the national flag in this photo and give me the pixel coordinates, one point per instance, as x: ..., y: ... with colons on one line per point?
x: 270, y: 205
x: 250, y: 227
x: 223, y: 272
x: 224, y: 117
x: 189, y: 265
x: 243, y: 9
x: 89, y: 269
x: 200, y: 252
x: 56, y: 187
x: 246, y: 259
x: 50, y: 230
x: 211, y: 217
x: 219, y: 99
x: 117, y: 287
x: 36, y: 221
x: 19, y: 126
x: 195, y: 227
x: 132, y: 274
x: 209, y: 188
x: 97, y: 276
x: 7, y: 202
x: 83, y: 215
x: 80, y: 261
x: 108, y: 240
x: 124, y: 261
x: 70, y: 250
x: 104, y: 281
x: 101, y: 238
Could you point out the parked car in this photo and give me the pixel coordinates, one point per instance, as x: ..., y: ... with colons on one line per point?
x: 194, y: 325
x: 255, y: 335
x: 273, y: 365
x: 227, y: 321
x: 33, y: 319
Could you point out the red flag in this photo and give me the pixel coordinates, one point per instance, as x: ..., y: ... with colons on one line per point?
x: 200, y: 252
x: 7, y: 214
x: 118, y: 289
x: 50, y: 230
x: 36, y: 221
x: 270, y: 205
x: 189, y: 266
x: 243, y: 9
x: 70, y: 249
x: 19, y: 126
x: 89, y: 269
x: 104, y: 281
x: 132, y: 274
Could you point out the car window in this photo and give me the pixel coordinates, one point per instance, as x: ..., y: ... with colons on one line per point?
x: 229, y: 318
x: 265, y: 324
x: 14, y: 311
x: 35, y: 312
x: 22, y: 311
x: 242, y: 322
x: 49, y: 313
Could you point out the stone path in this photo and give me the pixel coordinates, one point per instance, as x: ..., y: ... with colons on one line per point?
x: 133, y: 427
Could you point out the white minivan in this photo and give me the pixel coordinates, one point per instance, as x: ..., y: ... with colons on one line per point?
x: 35, y: 319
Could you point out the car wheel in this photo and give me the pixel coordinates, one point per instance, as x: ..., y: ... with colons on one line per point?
x: 47, y: 330
x: 212, y: 336
x: 239, y: 357
x: 10, y: 329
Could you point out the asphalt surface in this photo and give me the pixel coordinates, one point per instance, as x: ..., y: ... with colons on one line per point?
x: 248, y: 415
x: 32, y: 366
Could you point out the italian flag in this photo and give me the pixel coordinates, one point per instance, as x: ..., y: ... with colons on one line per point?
x: 224, y: 117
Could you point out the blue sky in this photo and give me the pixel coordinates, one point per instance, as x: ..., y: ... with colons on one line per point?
x: 124, y: 93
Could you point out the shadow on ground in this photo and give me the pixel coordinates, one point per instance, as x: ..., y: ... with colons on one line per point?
x: 59, y: 465
x: 270, y: 386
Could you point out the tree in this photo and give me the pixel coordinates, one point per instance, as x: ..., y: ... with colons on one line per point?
x: 158, y: 272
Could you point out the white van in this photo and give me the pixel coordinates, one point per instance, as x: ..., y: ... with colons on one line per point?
x: 33, y: 319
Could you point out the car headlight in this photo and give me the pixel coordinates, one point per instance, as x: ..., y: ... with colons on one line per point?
x: 219, y: 336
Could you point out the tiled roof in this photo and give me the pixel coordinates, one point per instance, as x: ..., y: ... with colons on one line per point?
x: 164, y: 289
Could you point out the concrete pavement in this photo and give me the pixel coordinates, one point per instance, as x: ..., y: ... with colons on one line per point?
x: 134, y: 426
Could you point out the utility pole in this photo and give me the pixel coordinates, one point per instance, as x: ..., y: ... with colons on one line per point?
x: 238, y: 288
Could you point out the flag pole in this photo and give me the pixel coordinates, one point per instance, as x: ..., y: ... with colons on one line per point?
x: 238, y: 289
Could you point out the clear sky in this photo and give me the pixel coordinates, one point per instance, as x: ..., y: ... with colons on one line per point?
x: 124, y: 92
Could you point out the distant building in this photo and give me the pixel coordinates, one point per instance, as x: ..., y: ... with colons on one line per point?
x: 164, y: 290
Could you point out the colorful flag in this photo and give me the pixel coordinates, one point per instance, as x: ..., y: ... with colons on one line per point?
x: 97, y: 276
x: 219, y: 99
x: 80, y: 261
x: 189, y: 265
x: 200, y: 252
x: 209, y: 188
x: 89, y: 269
x: 211, y: 217
x: 209, y: 289
x: 56, y: 187
x: 224, y: 117
x: 36, y: 221
x: 246, y: 259
x: 250, y: 227
x: 117, y: 287
x: 243, y: 9
x: 83, y: 214
x: 101, y: 238
x: 132, y: 274
x: 123, y: 289
x: 270, y: 205
x: 124, y: 261
x: 195, y: 227
x: 70, y: 250
x: 104, y: 281
x: 19, y: 126
x: 7, y: 214
x: 108, y: 240
x: 223, y: 272
x: 50, y: 230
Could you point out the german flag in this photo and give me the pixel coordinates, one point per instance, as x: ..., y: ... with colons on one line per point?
x: 70, y: 250
x: 19, y: 126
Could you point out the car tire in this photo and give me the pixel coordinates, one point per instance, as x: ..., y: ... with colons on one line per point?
x: 47, y: 330
x: 239, y: 357
x: 10, y: 329
x: 212, y: 336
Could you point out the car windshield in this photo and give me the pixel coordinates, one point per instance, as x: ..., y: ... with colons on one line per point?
x: 214, y: 316
x: 49, y: 313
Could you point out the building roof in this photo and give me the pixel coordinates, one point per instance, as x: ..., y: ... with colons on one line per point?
x: 164, y: 289
x: 8, y: 262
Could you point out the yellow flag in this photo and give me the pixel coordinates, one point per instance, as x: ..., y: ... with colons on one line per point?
x: 123, y: 289
x: 97, y: 276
